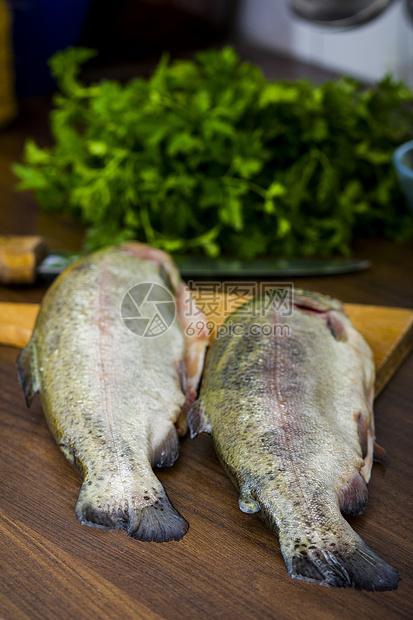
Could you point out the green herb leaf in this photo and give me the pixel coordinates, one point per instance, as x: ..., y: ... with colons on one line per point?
x: 207, y: 156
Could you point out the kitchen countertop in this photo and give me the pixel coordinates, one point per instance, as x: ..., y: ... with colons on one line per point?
x: 229, y: 564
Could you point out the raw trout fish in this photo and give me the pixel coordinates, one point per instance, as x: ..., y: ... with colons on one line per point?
x: 288, y: 403
x: 116, y: 402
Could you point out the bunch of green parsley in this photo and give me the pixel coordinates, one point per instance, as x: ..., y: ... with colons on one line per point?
x: 207, y: 156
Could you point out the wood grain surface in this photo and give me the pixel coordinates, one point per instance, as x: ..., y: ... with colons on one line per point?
x: 229, y: 564
x: 16, y: 323
x: 19, y: 258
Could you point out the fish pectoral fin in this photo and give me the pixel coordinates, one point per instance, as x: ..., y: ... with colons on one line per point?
x: 247, y: 503
x: 166, y: 452
x: 337, y: 326
x: 197, y: 421
x: 352, y: 498
x: 27, y: 372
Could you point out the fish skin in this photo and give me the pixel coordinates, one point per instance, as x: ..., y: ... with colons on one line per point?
x: 111, y: 398
x: 288, y: 415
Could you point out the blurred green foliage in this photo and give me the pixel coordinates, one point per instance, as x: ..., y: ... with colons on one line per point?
x: 206, y: 155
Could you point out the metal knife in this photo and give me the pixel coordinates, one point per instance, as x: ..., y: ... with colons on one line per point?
x: 23, y: 259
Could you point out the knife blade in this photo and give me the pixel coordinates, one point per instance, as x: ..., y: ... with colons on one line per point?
x: 202, y: 266
x: 23, y: 259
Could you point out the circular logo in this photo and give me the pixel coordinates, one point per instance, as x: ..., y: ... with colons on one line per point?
x: 148, y: 309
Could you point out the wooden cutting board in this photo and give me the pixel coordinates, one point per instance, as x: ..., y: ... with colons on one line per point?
x: 389, y: 331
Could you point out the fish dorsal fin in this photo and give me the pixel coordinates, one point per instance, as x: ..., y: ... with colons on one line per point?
x: 28, y: 372
x: 247, y: 503
x: 197, y: 421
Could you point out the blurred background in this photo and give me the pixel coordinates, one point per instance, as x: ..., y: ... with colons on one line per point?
x: 131, y: 35
x: 315, y: 39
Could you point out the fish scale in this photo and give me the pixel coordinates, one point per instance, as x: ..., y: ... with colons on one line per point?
x: 291, y: 418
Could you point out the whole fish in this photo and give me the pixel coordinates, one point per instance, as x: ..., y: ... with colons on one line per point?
x: 114, y: 400
x: 287, y: 397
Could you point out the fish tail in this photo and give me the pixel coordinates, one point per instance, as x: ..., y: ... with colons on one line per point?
x: 146, y: 514
x: 339, y: 562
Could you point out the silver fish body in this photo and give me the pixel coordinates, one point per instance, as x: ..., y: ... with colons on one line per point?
x: 112, y: 399
x: 288, y: 403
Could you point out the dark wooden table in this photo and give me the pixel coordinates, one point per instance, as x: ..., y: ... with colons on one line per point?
x: 228, y: 565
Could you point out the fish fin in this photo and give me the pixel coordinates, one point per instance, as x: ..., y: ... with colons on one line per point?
x: 147, y: 515
x: 308, y: 300
x: 161, y: 523
x: 363, y: 434
x: 379, y: 453
x: 197, y: 422
x: 181, y: 370
x: 353, y: 496
x: 70, y: 455
x: 247, y: 503
x: 180, y: 424
x: 340, y: 563
x: 27, y: 372
x: 196, y: 335
x: 166, y: 452
x: 337, y: 326
x: 366, y: 439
